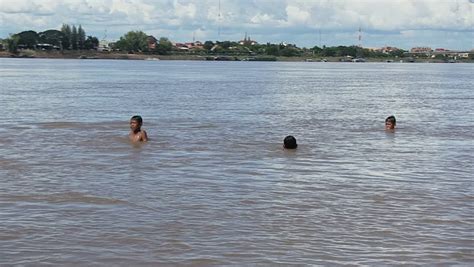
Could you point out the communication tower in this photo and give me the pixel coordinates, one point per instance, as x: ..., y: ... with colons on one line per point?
x: 219, y: 22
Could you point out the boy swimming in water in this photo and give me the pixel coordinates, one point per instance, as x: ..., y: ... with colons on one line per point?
x: 390, y: 123
x: 290, y: 142
x: 136, y: 133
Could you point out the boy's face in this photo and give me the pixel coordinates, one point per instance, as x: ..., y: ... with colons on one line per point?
x: 389, y: 125
x: 134, y: 125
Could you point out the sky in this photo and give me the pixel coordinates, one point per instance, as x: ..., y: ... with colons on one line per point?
x: 306, y: 23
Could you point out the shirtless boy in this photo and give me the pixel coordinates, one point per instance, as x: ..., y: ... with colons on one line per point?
x: 390, y: 123
x: 136, y: 133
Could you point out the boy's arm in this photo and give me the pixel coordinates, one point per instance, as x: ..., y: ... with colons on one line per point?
x: 144, y: 136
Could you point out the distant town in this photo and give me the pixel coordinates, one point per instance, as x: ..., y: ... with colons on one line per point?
x: 72, y: 42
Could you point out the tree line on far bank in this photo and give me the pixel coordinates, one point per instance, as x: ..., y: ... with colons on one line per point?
x: 138, y: 41
x: 68, y: 38
x: 74, y: 38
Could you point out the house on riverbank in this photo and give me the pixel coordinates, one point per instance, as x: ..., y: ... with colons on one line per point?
x: 443, y: 52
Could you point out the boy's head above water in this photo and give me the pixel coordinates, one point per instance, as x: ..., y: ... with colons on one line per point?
x: 290, y: 142
x: 136, y: 133
x: 136, y: 123
x: 390, y: 123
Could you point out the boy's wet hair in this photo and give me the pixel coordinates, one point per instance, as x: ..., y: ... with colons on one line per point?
x: 391, y: 119
x: 290, y: 142
x: 137, y: 118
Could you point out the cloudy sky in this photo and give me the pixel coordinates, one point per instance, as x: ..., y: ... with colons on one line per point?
x: 401, y: 23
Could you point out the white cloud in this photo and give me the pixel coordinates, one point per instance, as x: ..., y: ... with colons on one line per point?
x: 297, y: 15
x: 262, y: 19
x: 41, y: 8
x: 186, y: 11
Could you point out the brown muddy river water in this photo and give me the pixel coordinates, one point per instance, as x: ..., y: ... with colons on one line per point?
x: 214, y: 186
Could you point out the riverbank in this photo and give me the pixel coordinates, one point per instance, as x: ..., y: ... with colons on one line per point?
x: 84, y: 55
x: 144, y: 56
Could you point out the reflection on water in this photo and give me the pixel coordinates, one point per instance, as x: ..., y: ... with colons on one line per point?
x: 214, y: 185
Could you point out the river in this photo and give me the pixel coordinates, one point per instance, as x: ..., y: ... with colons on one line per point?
x: 213, y: 186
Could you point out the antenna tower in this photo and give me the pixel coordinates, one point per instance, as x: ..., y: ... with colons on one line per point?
x: 219, y: 22
x: 320, y: 43
x: 360, y: 37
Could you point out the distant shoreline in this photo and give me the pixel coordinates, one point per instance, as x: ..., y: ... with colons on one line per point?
x: 144, y: 56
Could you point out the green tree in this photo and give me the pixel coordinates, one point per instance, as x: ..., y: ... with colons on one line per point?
x: 74, y: 37
x: 218, y: 49
x: 328, y: 52
x: 133, y: 41
x: 342, y: 51
x: 289, y: 51
x: 208, y: 45
x: 28, y: 39
x: 67, y: 40
x: 272, y: 49
x: 259, y: 49
x: 164, y: 46
x: 53, y: 37
x: 12, y: 43
x: 317, y: 50
x: 397, y: 53
x: 81, y: 36
x: 225, y: 44
x: 91, y: 43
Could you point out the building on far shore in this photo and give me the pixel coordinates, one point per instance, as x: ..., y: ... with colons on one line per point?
x: 420, y: 50
x: 247, y: 41
x: 197, y: 45
x: 104, y: 46
x: 48, y: 47
x: 427, y: 51
x: 388, y: 49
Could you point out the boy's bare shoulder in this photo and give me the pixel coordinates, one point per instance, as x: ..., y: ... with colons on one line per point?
x: 144, y: 135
